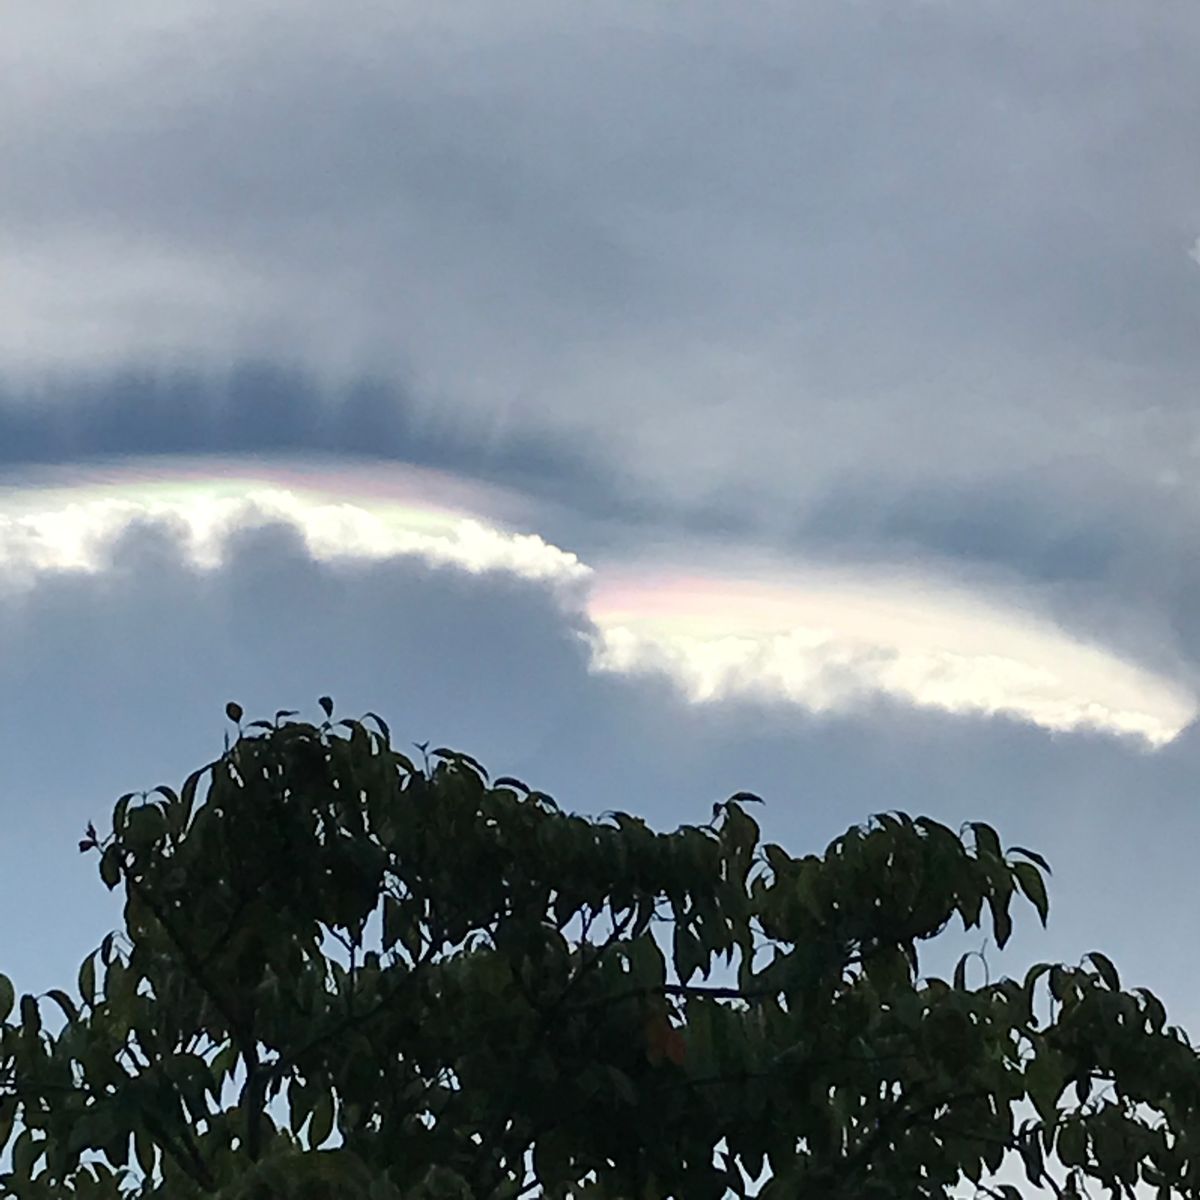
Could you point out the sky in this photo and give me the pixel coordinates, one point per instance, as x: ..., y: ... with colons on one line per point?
x: 652, y: 400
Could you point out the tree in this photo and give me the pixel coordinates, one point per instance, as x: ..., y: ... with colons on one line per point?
x: 346, y: 973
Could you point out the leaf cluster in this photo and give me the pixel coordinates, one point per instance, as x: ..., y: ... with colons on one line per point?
x: 347, y: 971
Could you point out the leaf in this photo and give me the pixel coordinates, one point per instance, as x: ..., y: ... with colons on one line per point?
x: 87, y: 980
x: 8, y: 1112
x: 1153, y: 1008
x: 298, y: 1105
x: 145, y: 828
x: 1001, y: 919
x: 7, y: 997
x: 383, y: 725
x: 25, y: 1154
x: 746, y: 798
x: 1045, y: 1078
x: 1031, y: 1153
x: 31, y: 1018
x: 1059, y: 982
x: 1030, y: 881
x: 326, y: 704
x: 688, y: 953
x: 234, y: 712
x: 509, y: 781
x: 646, y: 962
x: 1106, y: 970
x: 1033, y: 856
x: 459, y: 758
x: 393, y: 921
x: 225, y: 1062
x: 987, y: 841
x: 1071, y: 1144
x: 960, y: 972
x: 321, y: 1125
x: 187, y: 794
x: 64, y: 1002
x: 144, y: 1152
x: 120, y: 808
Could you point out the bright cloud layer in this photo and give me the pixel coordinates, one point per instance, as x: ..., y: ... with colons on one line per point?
x: 832, y: 641
x: 44, y: 528
x: 825, y: 641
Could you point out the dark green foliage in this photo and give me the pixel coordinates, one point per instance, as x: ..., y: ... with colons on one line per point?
x: 346, y: 973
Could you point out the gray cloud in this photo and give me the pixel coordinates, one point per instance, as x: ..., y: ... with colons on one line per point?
x: 849, y: 279
x: 1105, y: 554
x: 264, y: 408
x: 920, y: 239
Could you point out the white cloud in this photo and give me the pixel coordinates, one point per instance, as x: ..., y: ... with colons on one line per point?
x: 824, y: 641
x: 831, y: 642
x: 78, y: 534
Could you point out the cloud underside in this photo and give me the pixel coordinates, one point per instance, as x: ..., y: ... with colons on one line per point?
x: 819, y: 642
x: 759, y: 251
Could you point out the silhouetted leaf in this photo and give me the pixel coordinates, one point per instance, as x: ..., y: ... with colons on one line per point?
x: 746, y: 798
x: 1030, y: 882
x: 322, y: 1119
x: 31, y: 1018
x: 110, y: 866
x: 87, y: 979
x: 64, y: 1002
x: 1106, y: 970
x: 1032, y: 856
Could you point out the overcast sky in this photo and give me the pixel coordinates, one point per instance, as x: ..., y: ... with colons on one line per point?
x: 654, y: 400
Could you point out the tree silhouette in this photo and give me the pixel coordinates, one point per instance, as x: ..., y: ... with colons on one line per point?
x: 344, y: 972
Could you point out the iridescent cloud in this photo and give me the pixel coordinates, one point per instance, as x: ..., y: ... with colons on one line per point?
x: 824, y: 640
